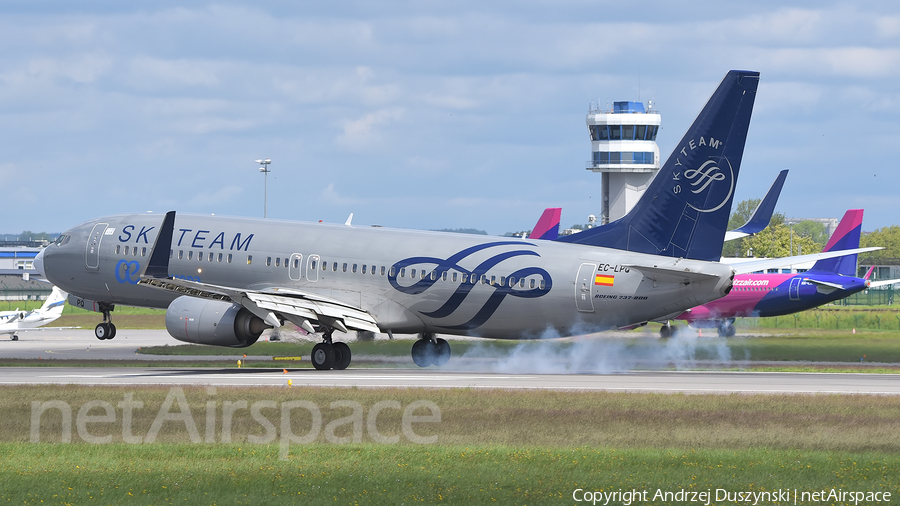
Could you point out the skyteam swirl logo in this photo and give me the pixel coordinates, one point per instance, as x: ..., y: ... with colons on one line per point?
x: 128, y: 272
x: 472, y: 277
x: 706, y: 181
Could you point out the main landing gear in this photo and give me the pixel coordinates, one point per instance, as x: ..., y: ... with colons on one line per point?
x: 330, y: 355
x: 430, y: 350
x: 726, y: 328
x: 667, y: 330
x: 105, y: 330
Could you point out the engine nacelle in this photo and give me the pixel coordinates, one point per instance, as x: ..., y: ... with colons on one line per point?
x: 214, y: 322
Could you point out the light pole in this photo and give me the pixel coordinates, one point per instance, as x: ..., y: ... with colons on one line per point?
x: 265, y: 170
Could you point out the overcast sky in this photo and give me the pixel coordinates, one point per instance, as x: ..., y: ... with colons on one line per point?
x: 424, y: 114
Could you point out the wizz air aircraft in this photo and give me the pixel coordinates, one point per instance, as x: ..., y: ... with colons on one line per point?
x: 12, y: 322
x: 781, y: 294
x: 224, y: 280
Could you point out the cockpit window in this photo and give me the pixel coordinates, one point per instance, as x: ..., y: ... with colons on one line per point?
x: 61, y: 240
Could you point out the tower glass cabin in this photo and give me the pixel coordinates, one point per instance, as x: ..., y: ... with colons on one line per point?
x: 624, y: 150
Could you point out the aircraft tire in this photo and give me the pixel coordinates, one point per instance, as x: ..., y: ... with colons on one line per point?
x: 112, y: 330
x: 14, y: 337
x: 322, y: 356
x: 423, y: 353
x: 101, y: 331
x: 341, y: 356
x: 441, y: 352
x: 666, y: 331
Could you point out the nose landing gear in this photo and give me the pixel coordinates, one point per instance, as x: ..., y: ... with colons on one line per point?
x: 105, y: 330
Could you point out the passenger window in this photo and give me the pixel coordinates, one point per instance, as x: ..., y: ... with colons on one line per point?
x: 393, y: 271
x: 454, y: 277
x: 542, y: 284
x: 210, y: 257
x: 278, y: 262
x: 412, y: 273
x: 522, y: 282
x: 382, y: 270
x: 143, y: 252
x: 297, y: 263
x: 354, y: 269
x: 502, y: 280
x: 464, y: 278
x: 334, y: 266
x: 444, y: 276
x: 134, y: 251
x: 423, y: 274
x: 219, y: 258
x: 403, y: 272
x: 373, y: 270
x: 229, y: 258
x: 249, y: 259
x: 344, y: 267
x: 364, y: 268
x: 532, y: 283
x: 190, y: 254
x: 493, y: 280
x: 268, y: 261
x: 484, y: 279
x: 118, y: 248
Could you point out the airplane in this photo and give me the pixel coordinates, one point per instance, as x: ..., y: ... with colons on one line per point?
x: 224, y: 280
x: 547, y: 226
x: 11, y: 322
x: 763, y: 295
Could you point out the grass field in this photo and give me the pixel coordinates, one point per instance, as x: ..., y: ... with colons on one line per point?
x: 507, y: 447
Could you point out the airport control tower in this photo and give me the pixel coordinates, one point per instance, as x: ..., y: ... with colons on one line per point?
x: 623, y: 142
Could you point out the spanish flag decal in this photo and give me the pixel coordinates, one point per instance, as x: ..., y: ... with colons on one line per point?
x: 604, y: 280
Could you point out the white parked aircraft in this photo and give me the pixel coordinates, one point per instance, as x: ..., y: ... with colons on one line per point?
x: 11, y: 322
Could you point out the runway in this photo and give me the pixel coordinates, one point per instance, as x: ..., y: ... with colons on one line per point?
x: 81, y: 345
x: 655, y: 381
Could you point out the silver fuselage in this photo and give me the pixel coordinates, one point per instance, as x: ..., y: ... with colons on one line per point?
x: 409, y: 281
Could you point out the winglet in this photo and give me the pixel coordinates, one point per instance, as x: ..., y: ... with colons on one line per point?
x: 846, y: 236
x: 547, y: 226
x: 762, y: 215
x: 684, y: 211
x: 869, y: 273
x: 158, y: 266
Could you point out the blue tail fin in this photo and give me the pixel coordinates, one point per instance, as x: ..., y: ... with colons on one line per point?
x: 846, y: 236
x: 762, y: 215
x: 685, y: 210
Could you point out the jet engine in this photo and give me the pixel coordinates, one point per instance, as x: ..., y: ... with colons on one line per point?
x: 214, y: 322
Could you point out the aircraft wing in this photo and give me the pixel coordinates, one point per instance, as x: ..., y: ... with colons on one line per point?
x: 295, y: 306
x: 761, y: 216
x: 269, y: 304
x: 883, y: 282
x: 775, y: 263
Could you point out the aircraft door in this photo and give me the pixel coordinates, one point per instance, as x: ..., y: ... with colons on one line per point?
x: 584, y: 285
x: 794, y: 290
x: 296, y: 263
x: 92, y: 250
x: 312, y: 268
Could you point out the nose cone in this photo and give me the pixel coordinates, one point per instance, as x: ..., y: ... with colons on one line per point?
x: 39, y: 263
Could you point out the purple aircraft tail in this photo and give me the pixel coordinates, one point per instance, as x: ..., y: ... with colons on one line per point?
x: 845, y: 237
x: 547, y: 226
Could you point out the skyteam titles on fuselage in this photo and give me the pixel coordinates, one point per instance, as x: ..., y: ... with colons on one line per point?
x: 190, y: 238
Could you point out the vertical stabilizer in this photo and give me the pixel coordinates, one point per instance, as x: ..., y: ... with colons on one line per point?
x: 685, y: 210
x: 547, y: 226
x: 845, y: 237
x: 54, y: 304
